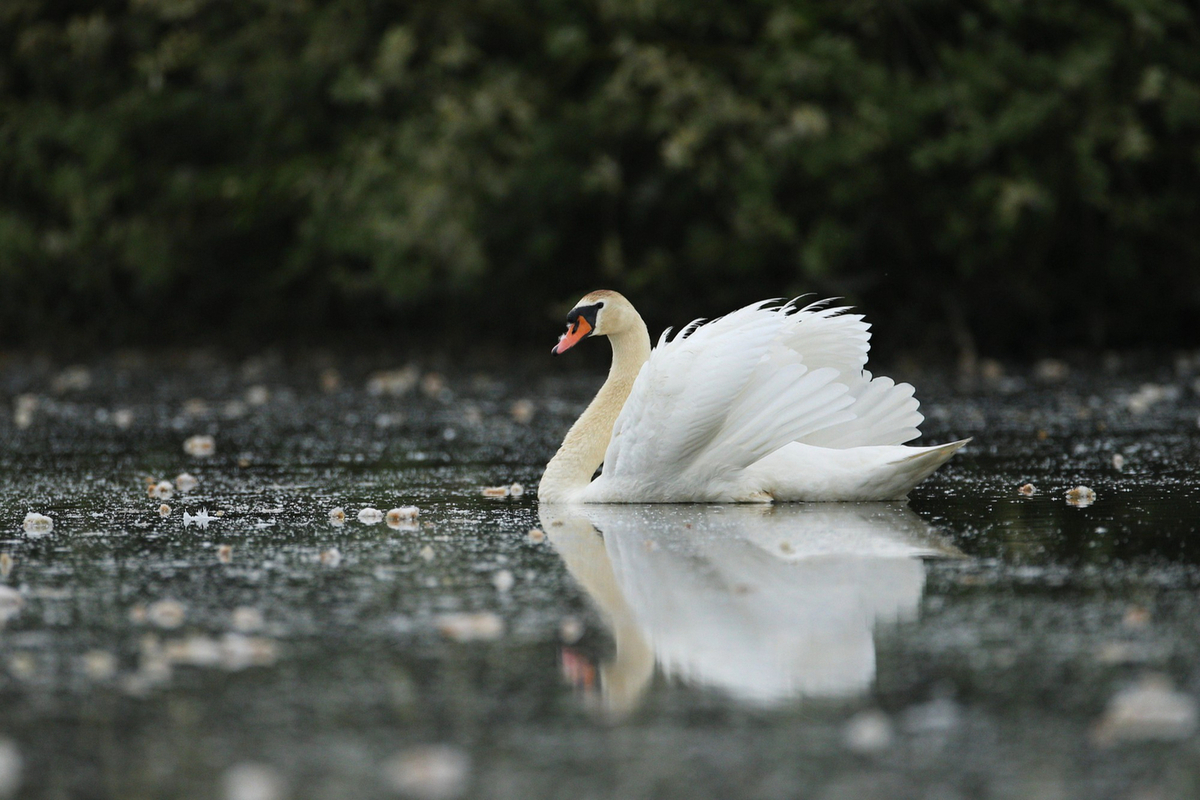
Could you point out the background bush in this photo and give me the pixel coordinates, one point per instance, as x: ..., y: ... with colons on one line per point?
x: 1014, y: 176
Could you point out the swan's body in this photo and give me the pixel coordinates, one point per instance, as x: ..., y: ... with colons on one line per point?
x: 769, y: 403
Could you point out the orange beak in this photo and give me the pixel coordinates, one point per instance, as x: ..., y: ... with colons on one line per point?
x: 580, y: 329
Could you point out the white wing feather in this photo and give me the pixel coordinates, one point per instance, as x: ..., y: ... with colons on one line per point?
x: 685, y: 390
x: 884, y: 412
x: 721, y: 396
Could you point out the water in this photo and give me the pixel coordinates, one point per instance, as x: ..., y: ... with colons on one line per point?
x: 975, y: 642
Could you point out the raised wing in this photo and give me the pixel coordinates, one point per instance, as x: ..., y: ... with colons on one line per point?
x: 684, y: 391
x: 721, y: 396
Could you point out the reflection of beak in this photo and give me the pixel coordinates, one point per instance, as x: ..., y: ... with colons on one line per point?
x: 580, y: 329
x: 577, y: 670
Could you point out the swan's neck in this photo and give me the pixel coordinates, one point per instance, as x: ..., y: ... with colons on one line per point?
x: 582, y: 451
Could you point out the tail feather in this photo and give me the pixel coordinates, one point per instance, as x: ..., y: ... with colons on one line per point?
x: 802, y: 472
x: 926, y: 462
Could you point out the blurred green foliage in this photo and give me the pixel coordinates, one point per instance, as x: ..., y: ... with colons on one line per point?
x: 1010, y: 173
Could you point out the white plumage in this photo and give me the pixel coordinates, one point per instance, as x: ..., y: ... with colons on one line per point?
x: 769, y: 403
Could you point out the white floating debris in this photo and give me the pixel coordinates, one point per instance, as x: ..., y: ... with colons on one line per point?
x: 337, y: 517
x: 370, y: 516
x: 163, y: 490
x: 225, y: 554
x: 196, y: 651
x: 522, y: 411
x: 200, y: 519
x: 1151, y: 709
x: 991, y: 370
x: 99, y: 665
x: 200, y: 446
x: 75, y: 378
x: 253, y: 782
x: 503, y: 580
x: 164, y: 510
x: 1027, y: 489
x: 330, y: 380
x: 1081, y: 496
x: 123, y: 418
x: 247, y: 619
x: 331, y: 557
x: 1136, y: 617
x: 22, y: 666
x: 433, y: 384
x: 6, y: 565
x: 167, y: 614
x: 427, y: 553
x: 233, y: 409
x: 403, y: 513
x: 1118, y: 462
x: 154, y: 668
x: 516, y: 490
x: 429, y: 772
x: 470, y: 627
x: 868, y: 732
x: 938, y: 716
x: 385, y: 421
x: 393, y: 382
x: 37, y: 524
x: 239, y: 652
x: 403, y: 518
x: 23, y: 409
x: 1051, y: 370
x: 496, y: 491
x: 570, y: 630
x: 11, y: 602
x: 1150, y: 394
x: 1123, y: 652
x: 536, y: 535
x: 258, y: 395
x: 196, y: 407
x: 185, y: 482
x: 10, y: 768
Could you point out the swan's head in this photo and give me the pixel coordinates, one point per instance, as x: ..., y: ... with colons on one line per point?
x: 599, y: 313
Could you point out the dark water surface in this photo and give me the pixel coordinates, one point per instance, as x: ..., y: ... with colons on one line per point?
x: 974, y: 643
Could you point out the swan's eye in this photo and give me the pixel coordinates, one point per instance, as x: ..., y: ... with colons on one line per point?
x: 581, y: 321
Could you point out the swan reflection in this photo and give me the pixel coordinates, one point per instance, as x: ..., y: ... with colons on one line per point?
x: 766, y: 603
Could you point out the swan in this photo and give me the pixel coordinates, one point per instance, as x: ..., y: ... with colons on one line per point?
x: 770, y: 403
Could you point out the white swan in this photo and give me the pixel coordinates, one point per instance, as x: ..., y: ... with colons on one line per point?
x: 770, y: 403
